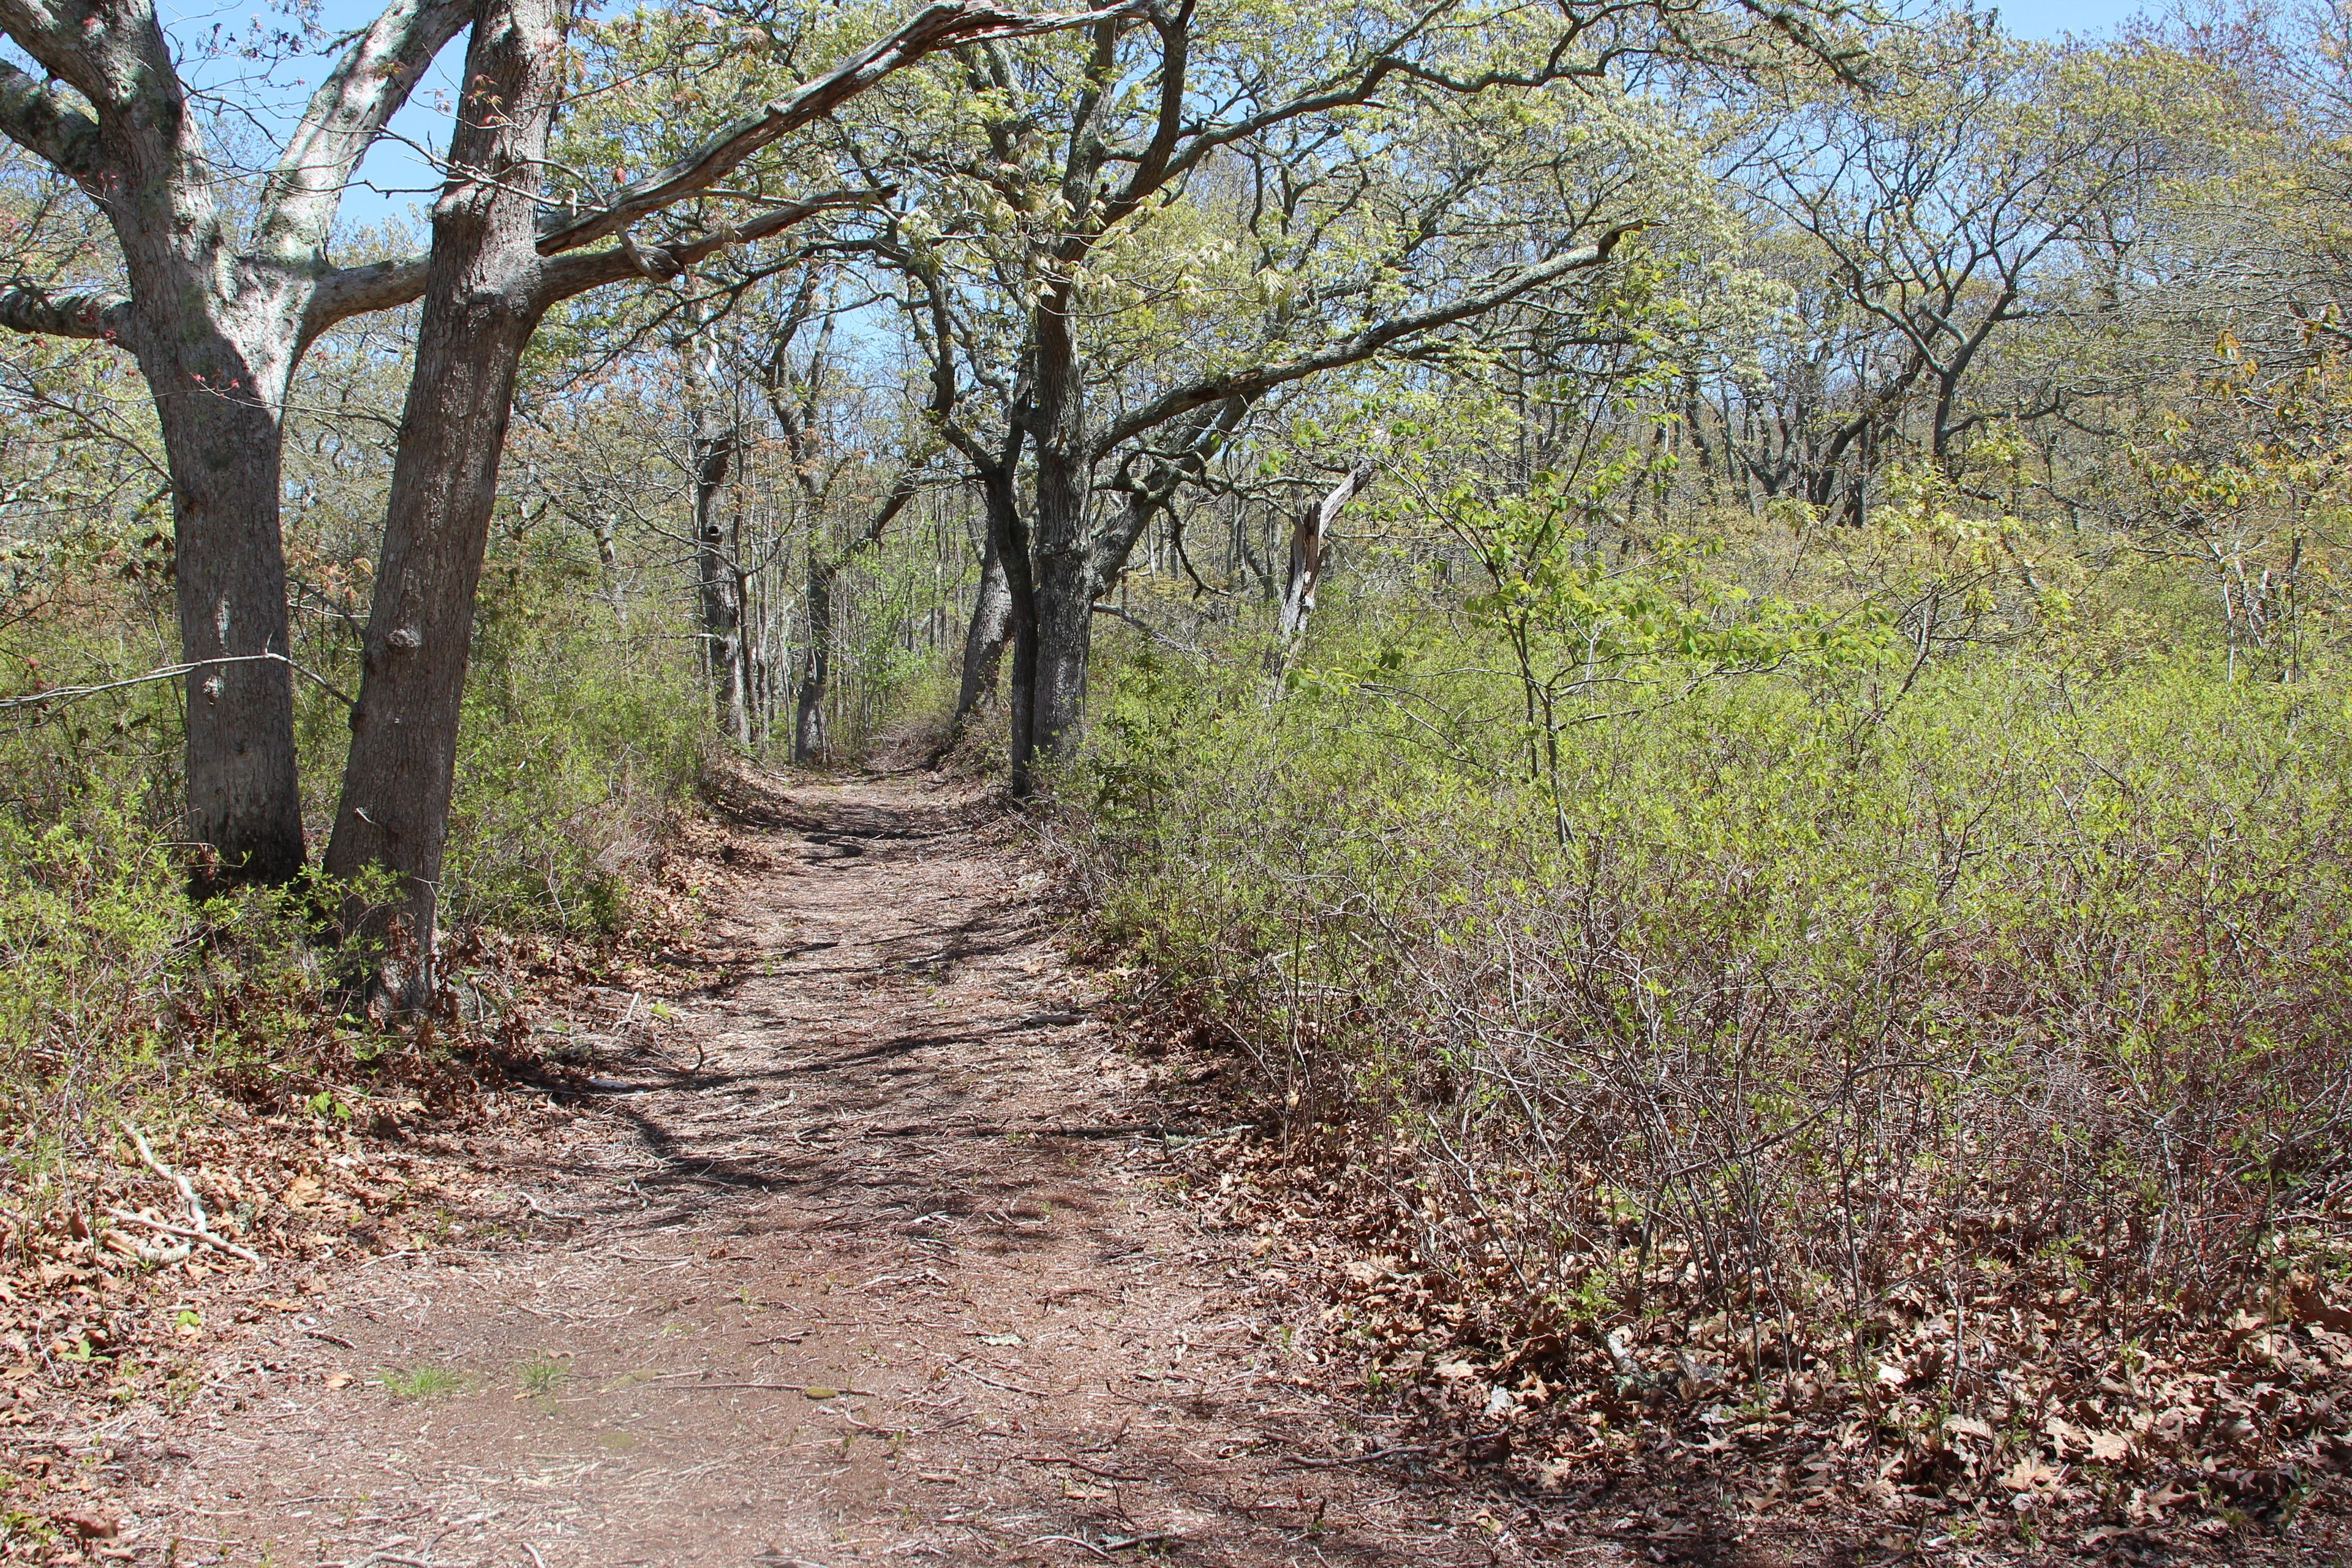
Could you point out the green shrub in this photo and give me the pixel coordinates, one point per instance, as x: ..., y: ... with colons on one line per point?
x: 583, y: 736
x: 117, y: 994
x: 1800, y: 1002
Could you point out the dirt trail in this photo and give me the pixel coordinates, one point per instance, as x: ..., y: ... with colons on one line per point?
x: 899, y: 1185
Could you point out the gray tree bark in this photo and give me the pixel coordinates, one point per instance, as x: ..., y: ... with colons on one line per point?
x: 984, y: 637
x: 243, y: 799
x: 816, y: 664
x: 217, y: 331
x: 720, y: 578
x: 483, y: 296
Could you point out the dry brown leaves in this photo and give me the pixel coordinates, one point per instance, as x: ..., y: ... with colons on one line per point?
x: 315, y: 1156
x: 2014, y: 1412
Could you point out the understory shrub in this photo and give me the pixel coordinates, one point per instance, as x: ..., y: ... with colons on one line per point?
x: 1863, y: 1051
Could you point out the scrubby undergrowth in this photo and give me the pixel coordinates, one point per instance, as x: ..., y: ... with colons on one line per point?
x: 1941, y: 1103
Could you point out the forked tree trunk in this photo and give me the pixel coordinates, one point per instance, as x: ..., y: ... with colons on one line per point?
x: 482, y: 303
x: 216, y: 363
x: 216, y: 332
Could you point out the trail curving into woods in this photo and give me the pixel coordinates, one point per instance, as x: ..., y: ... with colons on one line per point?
x: 893, y: 1277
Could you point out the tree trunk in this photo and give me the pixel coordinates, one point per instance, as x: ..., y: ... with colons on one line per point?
x: 481, y: 303
x: 1050, y: 682
x: 216, y: 357
x: 244, y: 801
x: 816, y: 666
x: 1064, y: 633
x: 721, y: 580
x: 991, y: 626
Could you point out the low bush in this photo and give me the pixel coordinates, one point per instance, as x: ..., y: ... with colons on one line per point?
x: 582, y: 740
x: 1954, y: 1062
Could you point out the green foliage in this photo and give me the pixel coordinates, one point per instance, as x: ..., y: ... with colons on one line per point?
x: 543, y: 1376
x: 423, y: 1383
x: 1782, y: 989
x: 582, y: 733
x: 91, y: 934
x: 116, y: 993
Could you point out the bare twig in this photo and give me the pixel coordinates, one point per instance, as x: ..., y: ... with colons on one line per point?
x: 167, y: 672
x: 200, y: 1228
x: 126, y: 1217
x: 1008, y: 1387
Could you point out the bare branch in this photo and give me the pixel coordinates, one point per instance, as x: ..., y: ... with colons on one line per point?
x: 356, y: 291
x: 367, y: 85
x: 935, y: 28
x: 83, y: 313
x: 1257, y: 380
x: 63, y: 50
x: 47, y: 124
x: 570, y: 275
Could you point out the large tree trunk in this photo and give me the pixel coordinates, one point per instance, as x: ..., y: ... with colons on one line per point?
x: 721, y: 580
x: 482, y: 303
x: 816, y: 666
x: 991, y: 626
x: 244, y: 801
x: 216, y: 348
x: 1065, y: 642
x: 1049, y: 681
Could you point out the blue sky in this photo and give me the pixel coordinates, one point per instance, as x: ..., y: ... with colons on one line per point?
x: 2049, y: 18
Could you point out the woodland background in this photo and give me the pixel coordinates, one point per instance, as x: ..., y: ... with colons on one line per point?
x: 1775, y: 803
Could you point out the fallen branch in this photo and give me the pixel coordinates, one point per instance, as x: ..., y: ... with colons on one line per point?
x: 200, y: 1228
x: 1110, y: 1543
x: 1008, y: 1387
x: 126, y: 1217
x: 1298, y: 1462
x: 1095, y: 1471
x: 824, y: 1390
x: 821, y: 1391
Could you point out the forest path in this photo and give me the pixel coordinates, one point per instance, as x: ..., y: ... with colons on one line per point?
x: 887, y: 1278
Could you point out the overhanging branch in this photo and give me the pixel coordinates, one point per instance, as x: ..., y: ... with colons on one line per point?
x: 1257, y: 380
x: 935, y: 28
x: 568, y: 275
x: 93, y: 314
x: 355, y: 290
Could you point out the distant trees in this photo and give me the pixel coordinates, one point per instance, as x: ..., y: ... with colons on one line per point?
x: 1097, y: 280
x: 1150, y: 227
x: 494, y: 271
x: 218, y: 314
x: 1972, y: 192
